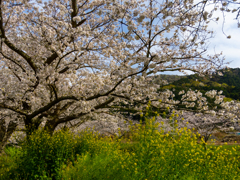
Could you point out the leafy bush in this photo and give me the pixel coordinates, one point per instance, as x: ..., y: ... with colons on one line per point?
x: 43, y: 155
x: 8, y: 162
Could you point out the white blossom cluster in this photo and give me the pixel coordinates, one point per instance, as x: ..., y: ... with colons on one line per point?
x: 204, y: 124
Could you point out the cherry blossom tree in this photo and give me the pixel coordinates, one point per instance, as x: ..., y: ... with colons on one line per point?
x: 64, y: 60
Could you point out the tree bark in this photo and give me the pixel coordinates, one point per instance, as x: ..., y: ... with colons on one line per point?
x: 50, y: 126
x: 5, y: 133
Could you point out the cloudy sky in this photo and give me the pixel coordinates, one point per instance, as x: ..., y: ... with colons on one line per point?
x: 229, y: 47
x: 220, y: 43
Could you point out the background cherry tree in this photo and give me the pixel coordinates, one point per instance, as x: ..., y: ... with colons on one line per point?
x: 64, y: 60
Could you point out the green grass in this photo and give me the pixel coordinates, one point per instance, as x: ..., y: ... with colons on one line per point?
x: 144, y: 154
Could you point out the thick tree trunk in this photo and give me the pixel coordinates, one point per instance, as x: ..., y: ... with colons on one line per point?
x: 31, y: 125
x: 5, y: 133
x: 2, y: 130
x: 50, y: 126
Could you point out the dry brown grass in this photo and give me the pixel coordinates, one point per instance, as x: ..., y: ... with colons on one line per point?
x: 220, y: 135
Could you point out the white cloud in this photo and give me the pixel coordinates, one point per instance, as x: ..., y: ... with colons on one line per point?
x: 220, y: 43
x: 230, y: 48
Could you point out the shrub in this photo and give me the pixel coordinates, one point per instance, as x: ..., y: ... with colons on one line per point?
x: 8, y: 162
x: 42, y: 155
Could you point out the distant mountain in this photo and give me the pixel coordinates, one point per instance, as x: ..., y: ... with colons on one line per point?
x: 228, y: 82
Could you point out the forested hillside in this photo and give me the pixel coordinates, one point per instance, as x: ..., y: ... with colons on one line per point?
x: 228, y: 82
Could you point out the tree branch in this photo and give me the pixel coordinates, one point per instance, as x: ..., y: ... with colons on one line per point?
x: 3, y: 106
x: 50, y: 105
x: 11, y: 46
